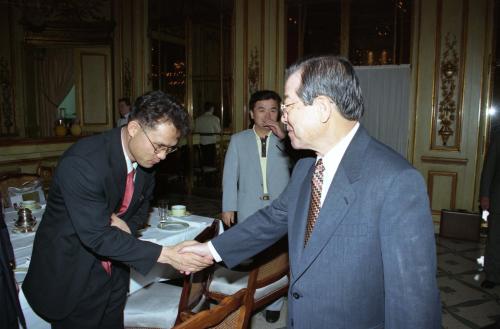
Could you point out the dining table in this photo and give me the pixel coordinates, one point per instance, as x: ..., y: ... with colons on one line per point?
x: 179, y: 228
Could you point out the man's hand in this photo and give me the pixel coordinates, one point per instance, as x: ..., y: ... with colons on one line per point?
x: 197, y: 248
x: 119, y: 223
x: 228, y: 218
x: 187, y: 261
x: 276, y: 128
x: 484, y: 202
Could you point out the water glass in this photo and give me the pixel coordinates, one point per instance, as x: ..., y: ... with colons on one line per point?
x: 163, y: 210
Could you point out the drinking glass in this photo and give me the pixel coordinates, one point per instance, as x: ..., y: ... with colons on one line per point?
x: 163, y: 210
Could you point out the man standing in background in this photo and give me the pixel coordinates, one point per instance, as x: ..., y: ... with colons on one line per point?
x: 124, y: 109
x: 208, y: 126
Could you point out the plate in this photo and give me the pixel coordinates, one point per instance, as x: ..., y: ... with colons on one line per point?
x: 188, y: 213
x: 173, y: 226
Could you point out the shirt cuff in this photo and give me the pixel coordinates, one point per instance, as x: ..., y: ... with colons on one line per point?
x: 215, y: 254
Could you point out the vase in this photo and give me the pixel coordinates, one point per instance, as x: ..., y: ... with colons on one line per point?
x: 60, y: 130
x: 76, y: 129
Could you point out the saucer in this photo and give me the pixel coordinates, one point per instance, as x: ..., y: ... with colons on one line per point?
x: 173, y: 226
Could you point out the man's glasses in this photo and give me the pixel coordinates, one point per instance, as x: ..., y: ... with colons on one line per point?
x: 159, y: 149
x: 284, y: 107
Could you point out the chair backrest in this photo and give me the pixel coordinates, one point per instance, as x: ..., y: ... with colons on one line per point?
x: 13, y: 180
x: 230, y: 313
x: 267, y: 278
x: 272, y: 265
x: 195, y: 285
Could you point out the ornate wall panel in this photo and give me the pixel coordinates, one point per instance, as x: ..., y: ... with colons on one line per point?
x: 94, y: 92
x: 442, y: 187
x: 451, y: 38
x: 7, y: 100
x: 451, y: 47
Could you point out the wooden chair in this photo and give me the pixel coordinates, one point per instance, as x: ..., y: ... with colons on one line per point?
x: 230, y: 313
x: 266, y: 281
x: 13, y: 180
x: 159, y: 305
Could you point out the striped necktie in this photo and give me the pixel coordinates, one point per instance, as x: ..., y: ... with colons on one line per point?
x: 127, y: 197
x: 315, y: 205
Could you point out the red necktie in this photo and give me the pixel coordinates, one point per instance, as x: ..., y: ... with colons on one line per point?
x: 315, y: 205
x: 127, y: 197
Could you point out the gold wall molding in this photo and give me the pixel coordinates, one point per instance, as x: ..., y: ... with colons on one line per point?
x: 127, y: 78
x: 447, y: 106
x: 6, y: 99
x: 450, y: 52
x: 445, y: 161
x: 253, y: 72
x: 452, y: 189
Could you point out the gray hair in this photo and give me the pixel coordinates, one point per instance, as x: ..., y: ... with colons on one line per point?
x: 333, y: 77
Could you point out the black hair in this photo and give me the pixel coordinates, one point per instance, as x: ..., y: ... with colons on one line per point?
x: 157, y: 107
x: 263, y: 95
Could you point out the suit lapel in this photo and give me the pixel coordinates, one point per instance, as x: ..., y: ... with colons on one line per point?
x: 118, y: 169
x: 254, y: 154
x: 297, y: 226
x: 339, y: 198
x: 140, y: 177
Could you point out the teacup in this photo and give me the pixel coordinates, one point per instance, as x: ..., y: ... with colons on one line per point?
x: 178, y: 210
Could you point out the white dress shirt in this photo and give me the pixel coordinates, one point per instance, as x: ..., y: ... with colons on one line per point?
x: 331, y: 161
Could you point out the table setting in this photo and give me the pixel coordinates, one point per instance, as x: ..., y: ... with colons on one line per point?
x: 163, y: 227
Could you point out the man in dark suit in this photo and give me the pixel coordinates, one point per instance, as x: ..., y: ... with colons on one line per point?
x: 11, y: 315
x: 85, y: 245
x: 490, y: 200
x: 360, y: 231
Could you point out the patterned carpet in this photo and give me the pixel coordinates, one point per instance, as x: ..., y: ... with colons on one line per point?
x: 465, y: 304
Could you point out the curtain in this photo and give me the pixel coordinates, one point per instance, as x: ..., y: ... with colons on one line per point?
x: 386, y: 92
x: 55, y: 75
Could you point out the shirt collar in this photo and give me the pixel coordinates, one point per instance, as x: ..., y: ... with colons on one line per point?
x: 337, y: 152
x: 130, y: 166
x: 258, y: 137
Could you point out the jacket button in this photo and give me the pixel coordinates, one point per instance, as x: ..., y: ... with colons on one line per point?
x: 296, y: 295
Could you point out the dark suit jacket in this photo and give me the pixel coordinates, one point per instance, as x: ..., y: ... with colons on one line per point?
x: 490, y: 177
x: 371, y: 259
x: 11, y: 313
x: 74, y: 233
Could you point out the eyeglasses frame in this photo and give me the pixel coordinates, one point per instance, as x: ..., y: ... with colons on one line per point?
x: 159, y: 149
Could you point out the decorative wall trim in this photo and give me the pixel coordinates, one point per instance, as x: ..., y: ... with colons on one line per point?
x: 253, y: 72
x: 245, y: 66
x: 453, y: 188
x: 447, y: 106
x: 7, y: 113
x: 448, y: 79
x: 446, y: 161
x: 127, y: 78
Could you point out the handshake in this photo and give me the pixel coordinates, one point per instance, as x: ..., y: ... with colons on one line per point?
x: 187, y: 256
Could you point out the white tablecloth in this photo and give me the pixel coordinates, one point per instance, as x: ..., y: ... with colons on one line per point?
x: 23, y: 245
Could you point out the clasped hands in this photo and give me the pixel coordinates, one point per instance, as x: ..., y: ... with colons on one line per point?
x: 187, y: 256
